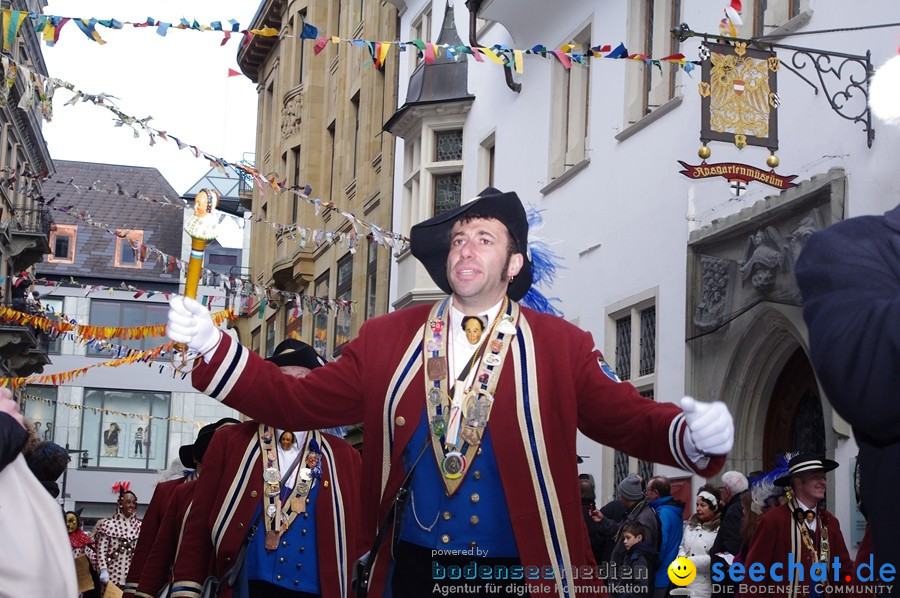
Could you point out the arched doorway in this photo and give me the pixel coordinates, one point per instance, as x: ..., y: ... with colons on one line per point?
x: 794, y: 420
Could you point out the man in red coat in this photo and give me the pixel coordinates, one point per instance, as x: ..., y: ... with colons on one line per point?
x: 306, y: 536
x: 801, y: 531
x: 162, y: 496
x: 157, y: 567
x: 487, y: 428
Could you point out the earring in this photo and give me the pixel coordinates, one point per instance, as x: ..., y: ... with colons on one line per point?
x: 511, y: 278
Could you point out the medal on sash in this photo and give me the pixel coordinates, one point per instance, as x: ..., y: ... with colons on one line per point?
x: 280, y: 514
x: 458, y: 422
x: 454, y: 465
x: 272, y: 538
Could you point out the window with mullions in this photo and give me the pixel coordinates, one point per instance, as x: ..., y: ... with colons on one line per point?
x: 320, y: 317
x: 270, y: 336
x: 570, y: 109
x: 769, y: 15
x: 649, y: 31
x: 115, y: 438
x: 371, y: 278
x: 62, y: 244
x: 447, y: 185
x: 127, y: 314
x: 345, y: 293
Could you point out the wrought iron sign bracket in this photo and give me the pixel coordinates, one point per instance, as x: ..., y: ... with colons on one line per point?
x: 841, y: 76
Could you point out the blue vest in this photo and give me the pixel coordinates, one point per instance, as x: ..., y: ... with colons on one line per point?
x: 295, y: 564
x: 474, y: 521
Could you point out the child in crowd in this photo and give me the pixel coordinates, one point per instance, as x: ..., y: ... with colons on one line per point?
x: 635, y: 576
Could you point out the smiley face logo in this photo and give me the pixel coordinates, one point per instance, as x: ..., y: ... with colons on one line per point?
x: 682, y: 571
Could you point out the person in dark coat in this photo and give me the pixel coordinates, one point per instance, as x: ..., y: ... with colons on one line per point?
x: 728, y: 539
x: 588, y: 509
x: 635, y: 575
x: 631, y: 493
x: 849, y: 275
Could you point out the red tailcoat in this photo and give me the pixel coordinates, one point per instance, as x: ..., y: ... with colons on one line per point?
x: 551, y: 384
x: 158, y: 566
x: 228, y: 492
x: 155, y: 510
x: 771, y: 543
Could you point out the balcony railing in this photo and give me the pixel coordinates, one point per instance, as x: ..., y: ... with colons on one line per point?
x: 32, y: 220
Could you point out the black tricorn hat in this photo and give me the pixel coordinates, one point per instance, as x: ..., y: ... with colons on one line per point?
x: 191, y: 454
x: 805, y: 462
x: 430, y: 240
x: 293, y: 352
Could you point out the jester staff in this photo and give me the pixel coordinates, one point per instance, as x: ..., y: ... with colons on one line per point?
x: 201, y: 227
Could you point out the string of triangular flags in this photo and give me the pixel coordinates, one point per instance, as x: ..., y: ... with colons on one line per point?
x: 250, y: 292
x: 303, y: 235
x: 68, y: 376
x: 85, y: 332
x: 49, y: 26
x: 100, y: 410
x: 39, y: 87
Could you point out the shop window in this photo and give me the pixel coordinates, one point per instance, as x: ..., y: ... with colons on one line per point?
x: 114, y: 437
x: 40, y: 410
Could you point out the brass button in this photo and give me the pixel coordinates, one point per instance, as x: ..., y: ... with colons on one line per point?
x: 254, y: 493
x: 478, y: 452
x: 302, y: 548
x: 296, y: 582
x: 446, y: 515
x: 473, y: 544
x: 303, y: 531
x: 281, y: 560
x: 475, y: 497
x: 278, y: 577
x: 240, y: 526
x: 324, y: 485
x: 284, y: 542
x: 445, y: 538
x: 401, y: 421
x: 299, y: 565
x: 476, y: 475
x: 473, y: 519
x: 306, y: 515
x: 227, y: 559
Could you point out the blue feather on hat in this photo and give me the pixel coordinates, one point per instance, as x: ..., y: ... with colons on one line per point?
x: 763, y: 489
x: 544, y: 264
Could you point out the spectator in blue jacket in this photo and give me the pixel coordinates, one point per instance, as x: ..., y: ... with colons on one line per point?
x: 671, y: 518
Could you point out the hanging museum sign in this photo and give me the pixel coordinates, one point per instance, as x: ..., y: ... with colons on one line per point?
x: 738, y: 175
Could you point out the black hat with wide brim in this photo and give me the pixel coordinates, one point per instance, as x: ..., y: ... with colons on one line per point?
x: 293, y: 352
x: 191, y: 454
x: 430, y: 240
x: 805, y: 462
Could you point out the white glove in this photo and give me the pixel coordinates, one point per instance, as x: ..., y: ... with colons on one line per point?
x: 709, y: 426
x: 104, y: 576
x: 190, y: 323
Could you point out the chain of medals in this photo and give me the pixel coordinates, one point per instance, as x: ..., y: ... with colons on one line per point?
x: 278, y: 514
x: 806, y: 532
x: 458, y: 423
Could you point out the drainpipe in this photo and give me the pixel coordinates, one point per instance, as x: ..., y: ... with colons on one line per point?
x: 473, y: 6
